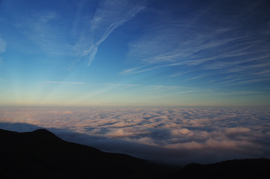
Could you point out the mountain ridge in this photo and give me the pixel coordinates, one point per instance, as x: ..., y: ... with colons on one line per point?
x: 41, y: 154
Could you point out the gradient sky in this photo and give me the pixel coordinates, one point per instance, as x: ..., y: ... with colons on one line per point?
x: 135, y: 52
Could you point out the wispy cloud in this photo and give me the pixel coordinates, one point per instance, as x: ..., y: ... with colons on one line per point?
x: 109, y: 15
x: 208, y: 46
x: 141, y: 69
x: 251, y: 81
x: 121, y: 85
x: 44, y: 28
x: 185, y: 52
x: 3, y: 45
x: 66, y: 83
x: 240, y: 93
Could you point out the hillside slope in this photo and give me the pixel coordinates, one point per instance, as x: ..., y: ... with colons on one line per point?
x: 41, y: 154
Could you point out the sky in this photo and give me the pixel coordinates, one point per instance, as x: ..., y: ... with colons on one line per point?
x: 166, y: 80
x: 134, y: 53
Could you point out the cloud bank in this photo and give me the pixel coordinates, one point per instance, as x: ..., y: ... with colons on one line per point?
x: 171, y: 135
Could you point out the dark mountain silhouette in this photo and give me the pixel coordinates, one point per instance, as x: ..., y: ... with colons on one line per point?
x: 238, y: 169
x: 41, y: 154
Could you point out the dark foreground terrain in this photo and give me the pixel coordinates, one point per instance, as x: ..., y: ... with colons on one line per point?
x: 41, y: 154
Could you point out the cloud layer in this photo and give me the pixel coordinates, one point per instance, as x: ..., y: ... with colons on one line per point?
x: 174, y: 135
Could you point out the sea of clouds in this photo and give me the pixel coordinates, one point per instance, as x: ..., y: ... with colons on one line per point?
x: 169, y: 135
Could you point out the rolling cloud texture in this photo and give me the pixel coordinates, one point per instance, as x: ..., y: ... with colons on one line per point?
x: 171, y: 135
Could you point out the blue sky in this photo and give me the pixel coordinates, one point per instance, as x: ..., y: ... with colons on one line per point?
x: 135, y: 53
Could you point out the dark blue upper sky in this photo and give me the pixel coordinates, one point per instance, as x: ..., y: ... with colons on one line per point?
x: 135, y: 52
